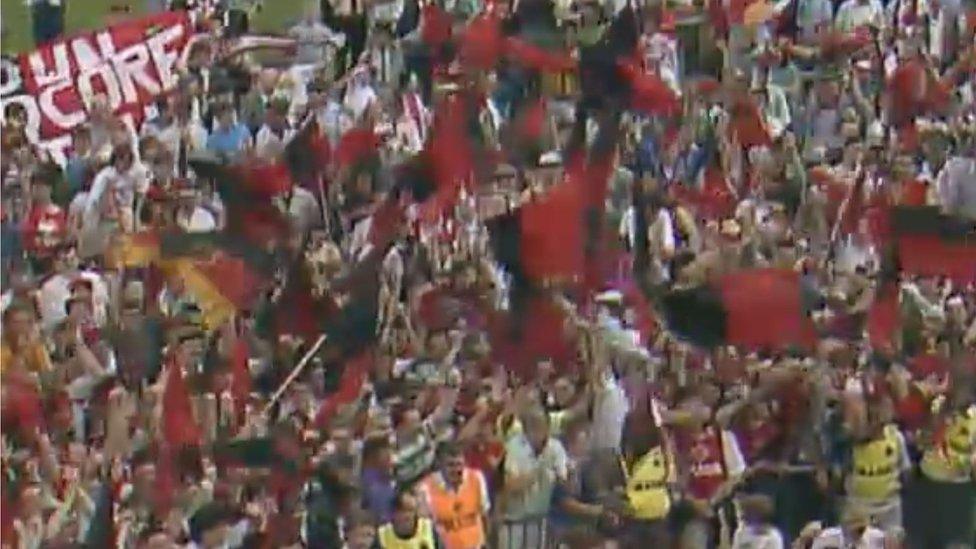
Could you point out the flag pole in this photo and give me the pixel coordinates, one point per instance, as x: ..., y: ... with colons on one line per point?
x: 294, y: 374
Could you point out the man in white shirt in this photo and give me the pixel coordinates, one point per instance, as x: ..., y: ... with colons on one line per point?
x: 191, y: 216
x: 276, y: 132
x: 855, y: 532
x: 56, y: 290
x: 855, y: 14
x: 125, y: 179
x: 534, y: 463
x: 812, y: 18
x: 179, y: 133
x: 956, y: 185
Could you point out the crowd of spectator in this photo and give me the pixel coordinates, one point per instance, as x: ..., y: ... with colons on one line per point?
x: 468, y: 411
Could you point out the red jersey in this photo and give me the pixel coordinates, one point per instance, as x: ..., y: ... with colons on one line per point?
x: 706, y: 467
x: 44, y: 228
x: 753, y: 439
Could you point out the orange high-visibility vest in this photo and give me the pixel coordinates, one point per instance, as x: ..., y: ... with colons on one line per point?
x: 457, y: 514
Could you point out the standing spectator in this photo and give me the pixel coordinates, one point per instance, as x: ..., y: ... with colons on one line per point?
x: 229, y: 138
x: 757, y: 530
x: 534, y: 463
x: 855, y: 531
x: 456, y: 499
x: 408, y: 528
x: 48, y: 19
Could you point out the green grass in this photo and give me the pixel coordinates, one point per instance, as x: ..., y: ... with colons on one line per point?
x: 91, y: 14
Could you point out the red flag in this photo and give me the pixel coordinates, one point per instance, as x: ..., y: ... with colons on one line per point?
x: 356, y: 145
x: 552, y: 234
x: 747, y: 124
x: 836, y: 44
x: 354, y: 375
x: 530, y: 123
x: 165, y: 481
x: 449, y: 150
x: 907, y: 88
x: 435, y: 25
x: 179, y: 426
x: 385, y: 222
x: 851, y: 211
x: 22, y: 406
x: 482, y: 44
x: 8, y: 534
x: 883, y: 320
x: 265, y: 179
x: 536, y: 58
x: 715, y: 200
x: 932, y: 244
x: 536, y: 331
x: 240, y: 383
x: 649, y: 94
x: 764, y: 309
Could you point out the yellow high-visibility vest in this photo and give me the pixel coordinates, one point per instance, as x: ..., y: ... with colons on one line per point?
x: 875, y: 469
x: 423, y: 536
x: 647, y: 485
x: 950, y: 461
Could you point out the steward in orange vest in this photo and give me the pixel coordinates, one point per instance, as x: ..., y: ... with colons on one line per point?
x: 457, y: 501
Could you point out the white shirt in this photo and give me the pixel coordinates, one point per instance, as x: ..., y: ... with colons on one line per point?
x: 268, y: 144
x: 521, y: 459
x: 303, y: 209
x: 853, y: 14
x: 956, y: 185
x: 56, y: 291
x: 833, y: 538
x: 757, y: 538
x: 199, y: 221
x: 661, y: 56
x: 811, y: 15
x: 171, y: 136
x: 610, y: 409
x: 358, y: 99
x: 125, y: 186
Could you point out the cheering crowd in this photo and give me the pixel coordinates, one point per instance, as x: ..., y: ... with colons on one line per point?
x: 529, y: 275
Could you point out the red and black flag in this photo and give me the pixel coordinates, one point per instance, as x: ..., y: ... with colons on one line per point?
x: 252, y: 216
x: 930, y: 243
x: 180, y: 429
x: 357, y: 149
x: 298, y: 311
x: 482, y: 44
x: 753, y: 309
x: 23, y: 408
x: 355, y: 372
x: 534, y: 329
x: 649, y: 95
x: 281, y: 453
x: 308, y: 154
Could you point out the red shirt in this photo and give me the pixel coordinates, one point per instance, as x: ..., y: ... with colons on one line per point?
x: 44, y: 228
x: 706, y: 461
x: 485, y: 456
x: 754, y: 438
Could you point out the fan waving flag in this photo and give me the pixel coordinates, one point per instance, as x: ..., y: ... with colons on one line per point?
x: 482, y: 43
x: 930, y: 243
x: 180, y: 429
x: 531, y: 56
x: 552, y: 234
x: 753, y: 309
x: 648, y: 93
x: 307, y: 155
x: 222, y: 285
